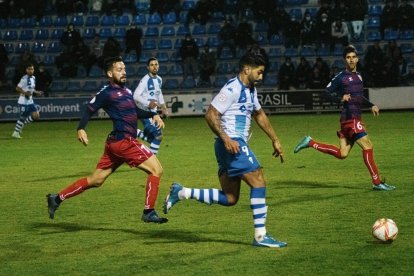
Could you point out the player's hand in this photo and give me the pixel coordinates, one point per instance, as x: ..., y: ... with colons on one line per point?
x: 83, y: 137
x: 40, y: 93
x: 375, y: 110
x: 231, y: 146
x: 157, y: 121
x: 278, y: 151
x: 152, y: 104
x: 346, y: 97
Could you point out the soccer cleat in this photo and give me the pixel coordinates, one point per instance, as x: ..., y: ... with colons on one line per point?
x: 52, y: 205
x: 153, y: 217
x: 303, y: 144
x: 383, y: 187
x: 172, y: 198
x: 16, y: 135
x: 268, y: 241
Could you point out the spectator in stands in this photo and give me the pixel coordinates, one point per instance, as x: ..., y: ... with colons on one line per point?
x: 133, y: 41
x: 325, y: 8
x: 201, y: 12
x: 292, y: 33
x: 303, y: 74
x: 405, y: 16
x: 4, y: 60
x: 307, y: 32
x: 357, y: 12
x: 207, y: 66
x: 25, y: 58
x: 80, y: 6
x: 189, y: 53
x: 374, y: 65
x: 63, y: 7
x: 323, y: 31
x: 110, y: 7
x: 339, y: 33
x: 340, y: 10
x: 95, y: 6
x: 403, y: 72
x: 70, y: 38
x: 95, y: 50
x: 227, y: 38
x: 43, y: 79
x: 392, y: 56
x: 286, y: 75
x: 244, y: 34
x: 262, y: 10
x: 389, y: 17
x: 82, y: 57
x: 112, y: 48
x: 277, y: 22
x: 320, y: 74
x: 156, y: 6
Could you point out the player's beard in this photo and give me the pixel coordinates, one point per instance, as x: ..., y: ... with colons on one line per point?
x: 121, y: 81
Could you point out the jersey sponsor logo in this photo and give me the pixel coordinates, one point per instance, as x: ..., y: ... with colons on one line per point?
x: 350, y: 79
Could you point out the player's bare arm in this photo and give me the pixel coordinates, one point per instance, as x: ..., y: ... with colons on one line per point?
x: 213, y: 120
x: 158, y: 121
x: 83, y: 137
x: 263, y: 121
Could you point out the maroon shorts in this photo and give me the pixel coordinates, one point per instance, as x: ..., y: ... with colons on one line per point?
x: 127, y: 150
x: 352, y: 129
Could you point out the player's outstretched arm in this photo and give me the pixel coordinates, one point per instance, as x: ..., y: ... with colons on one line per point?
x: 83, y: 137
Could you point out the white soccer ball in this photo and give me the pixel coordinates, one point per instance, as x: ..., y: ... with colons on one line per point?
x: 385, y: 229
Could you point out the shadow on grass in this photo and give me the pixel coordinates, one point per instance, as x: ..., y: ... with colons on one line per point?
x: 314, y: 185
x: 152, y: 236
x: 75, y: 176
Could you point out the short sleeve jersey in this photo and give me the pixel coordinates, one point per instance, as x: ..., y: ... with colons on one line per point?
x: 236, y: 103
x: 27, y: 83
x: 148, y: 89
x: 348, y: 83
x: 119, y: 104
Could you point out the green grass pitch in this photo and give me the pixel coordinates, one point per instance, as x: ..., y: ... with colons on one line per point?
x: 324, y: 208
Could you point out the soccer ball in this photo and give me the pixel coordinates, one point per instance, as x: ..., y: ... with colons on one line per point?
x: 385, y: 229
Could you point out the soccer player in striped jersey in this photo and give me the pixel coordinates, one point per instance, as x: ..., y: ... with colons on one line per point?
x: 347, y: 88
x: 229, y: 117
x: 121, y: 145
x: 148, y: 96
x: 28, y: 110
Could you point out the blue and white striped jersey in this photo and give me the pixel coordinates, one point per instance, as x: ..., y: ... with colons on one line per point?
x: 27, y: 83
x: 236, y: 103
x: 149, y: 89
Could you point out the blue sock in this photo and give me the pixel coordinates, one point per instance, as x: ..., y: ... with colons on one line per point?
x: 155, y: 146
x: 208, y: 196
x: 259, y: 208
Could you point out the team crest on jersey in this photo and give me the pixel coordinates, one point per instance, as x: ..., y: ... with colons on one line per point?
x: 350, y: 79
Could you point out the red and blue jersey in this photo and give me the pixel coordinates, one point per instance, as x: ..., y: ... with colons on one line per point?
x: 118, y: 103
x: 351, y: 83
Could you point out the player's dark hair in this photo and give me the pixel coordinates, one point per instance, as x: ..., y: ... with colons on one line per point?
x: 151, y: 59
x: 109, y: 62
x: 252, y: 59
x: 349, y: 49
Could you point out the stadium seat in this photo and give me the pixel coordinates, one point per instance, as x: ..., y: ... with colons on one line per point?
x: 374, y: 10
x: 170, y: 84
x: 373, y: 22
x: 162, y: 56
x: 175, y: 57
x: 105, y: 32
x: 226, y: 54
x: 42, y: 34
x: 13, y: 22
x: 200, y: 42
x: 60, y: 21
x: 276, y: 40
x: 188, y: 4
x: 313, y: 11
x: 89, y: 32
x: 96, y: 71
x: 297, y: 13
x: 177, y: 44
x: 38, y: 47
x: 142, y: 70
x: 275, y: 52
x: 143, y: 6
x: 220, y: 81
x: 323, y: 52
x: 273, y: 66
x: 46, y: 21
x: 3, y: 23
x: 213, y: 28
x: 182, y: 30
x: 26, y: 34
x: 21, y: 47
x: 168, y: 31
x: 122, y: 20
x: 90, y: 85
x: 169, y: 18
x: 260, y: 39
x: 149, y: 44
x: 28, y: 22
x: 58, y: 86
x: 144, y: 57
x: 217, y: 16
x: 9, y: 48
x: 154, y: 19
x: 391, y: 34
x: 176, y: 70
x: 188, y: 83
x: 199, y: 29
x: 291, y: 52
x: 73, y: 86
x: 374, y: 35
x: 107, y: 20
x: 119, y: 32
x: 225, y: 68
x: 81, y: 72
x: 57, y: 33
x: 307, y: 51
x: 270, y: 80
x: 10, y: 35
x: 49, y: 60
x: 140, y: 20
x: 130, y: 58
x: 54, y: 47
x: 407, y: 35
x: 406, y: 48
x: 77, y: 20
x: 92, y: 21
x: 213, y: 41
x: 151, y: 31
x: 183, y: 17
x: 261, y: 27
x: 163, y: 70
x: 165, y: 43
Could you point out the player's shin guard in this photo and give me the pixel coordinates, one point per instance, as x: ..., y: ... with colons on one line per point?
x: 325, y: 148
x: 208, y: 196
x: 74, y: 189
x: 372, y: 168
x: 259, y: 208
x: 151, y: 191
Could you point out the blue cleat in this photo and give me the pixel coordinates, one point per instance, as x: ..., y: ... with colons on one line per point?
x: 153, y: 217
x: 303, y: 144
x: 172, y: 198
x: 268, y: 241
x: 52, y: 205
x: 383, y: 187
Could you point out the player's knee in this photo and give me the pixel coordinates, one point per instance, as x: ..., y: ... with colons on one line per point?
x: 232, y: 200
